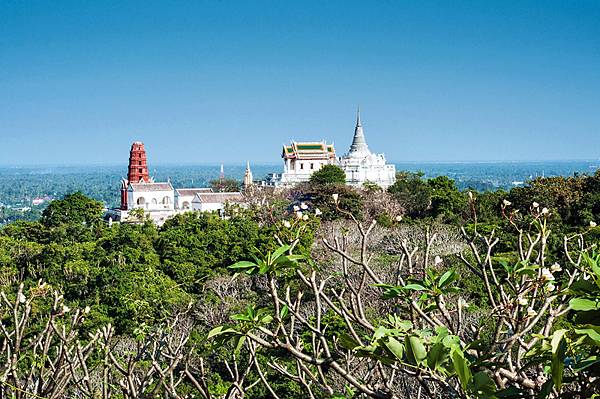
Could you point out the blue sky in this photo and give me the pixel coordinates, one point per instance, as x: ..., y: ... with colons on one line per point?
x: 212, y: 81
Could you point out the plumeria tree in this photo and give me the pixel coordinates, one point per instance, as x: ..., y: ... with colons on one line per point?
x: 402, y: 327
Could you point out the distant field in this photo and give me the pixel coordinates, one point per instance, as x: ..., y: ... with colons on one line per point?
x: 19, y: 185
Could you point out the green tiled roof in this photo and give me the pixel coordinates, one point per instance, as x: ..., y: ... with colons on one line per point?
x: 310, y: 147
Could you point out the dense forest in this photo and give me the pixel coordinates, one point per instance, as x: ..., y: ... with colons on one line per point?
x: 320, y: 291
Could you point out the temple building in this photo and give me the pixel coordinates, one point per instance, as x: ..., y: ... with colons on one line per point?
x: 302, y: 159
x: 362, y: 166
x: 159, y: 200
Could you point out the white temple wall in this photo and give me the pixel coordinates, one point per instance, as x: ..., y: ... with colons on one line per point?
x: 151, y: 200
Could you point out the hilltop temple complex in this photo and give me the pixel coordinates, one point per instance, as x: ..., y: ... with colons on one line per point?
x: 302, y: 159
x: 159, y: 200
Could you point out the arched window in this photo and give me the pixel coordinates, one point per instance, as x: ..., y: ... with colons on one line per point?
x: 186, y: 205
x: 165, y: 200
x: 154, y: 201
x: 141, y: 201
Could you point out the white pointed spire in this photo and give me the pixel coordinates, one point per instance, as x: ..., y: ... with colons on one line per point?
x: 248, y: 179
x: 359, y: 147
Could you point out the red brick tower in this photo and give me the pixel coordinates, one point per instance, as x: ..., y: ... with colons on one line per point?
x: 137, y: 171
x: 138, y: 167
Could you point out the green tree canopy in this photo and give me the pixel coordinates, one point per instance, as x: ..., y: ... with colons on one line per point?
x: 328, y: 174
x: 74, y: 208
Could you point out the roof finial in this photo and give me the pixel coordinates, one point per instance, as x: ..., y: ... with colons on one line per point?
x: 358, y: 116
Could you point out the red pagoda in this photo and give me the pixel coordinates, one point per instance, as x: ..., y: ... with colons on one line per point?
x: 137, y: 171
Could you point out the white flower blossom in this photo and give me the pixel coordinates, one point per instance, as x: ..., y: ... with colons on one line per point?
x: 531, y: 312
x: 506, y: 202
x: 470, y: 194
x: 318, y: 212
x: 299, y: 215
x: 66, y: 309
x: 335, y: 197
x: 303, y: 206
x: 437, y: 260
x: 536, y: 205
x: 555, y: 268
x: 586, y: 276
x: 545, y: 211
x: 87, y: 310
x: 296, y: 208
x: 550, y: 287
x: 547, y: 275
x: 592, y: 224
x: 305, y: 217
x: 21, y: 298
x: 399, y: 218
x: 522, y: 301
x: 287, y: 224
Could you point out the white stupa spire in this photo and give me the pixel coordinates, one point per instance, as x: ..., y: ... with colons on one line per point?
x: 359, y: 147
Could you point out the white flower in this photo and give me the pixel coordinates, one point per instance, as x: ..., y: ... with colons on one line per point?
x: 531, y: 312
x: 318, y: 212
x: 287, y: 224
x: 303, y: 206
x: 550, y: 287
x: 555, y: 268
x: 536, y: 205
x: 506, y: 202
x: 545, y: 211
x: 66, y: 309
x: 470, y: 194
x: 305, y: 217
x: 296, y: 208
x: 463, y: 303
x: 299, y: 215
x: 87, y: 310
x: 522, y: 301
x: 21, y: 298
x: 592, y: 224
x: 547, y: 275
x: 437, y: 260
x: 399, y: 218
x: 586, y: 276
x: 335, y: 197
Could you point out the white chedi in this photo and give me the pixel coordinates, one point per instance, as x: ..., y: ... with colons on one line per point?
x: 362, y: 166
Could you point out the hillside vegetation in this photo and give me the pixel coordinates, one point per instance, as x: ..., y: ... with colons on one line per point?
x: 323, y: 291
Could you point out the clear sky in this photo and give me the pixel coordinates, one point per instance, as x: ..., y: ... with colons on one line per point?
x: 212, y: 81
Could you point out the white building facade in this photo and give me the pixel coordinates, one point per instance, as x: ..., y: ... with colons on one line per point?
x: 211, y: 202
x: 185, y: 196
x: 302, y: 159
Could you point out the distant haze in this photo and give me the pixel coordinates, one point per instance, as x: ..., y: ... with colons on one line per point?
x: 204, y: 82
